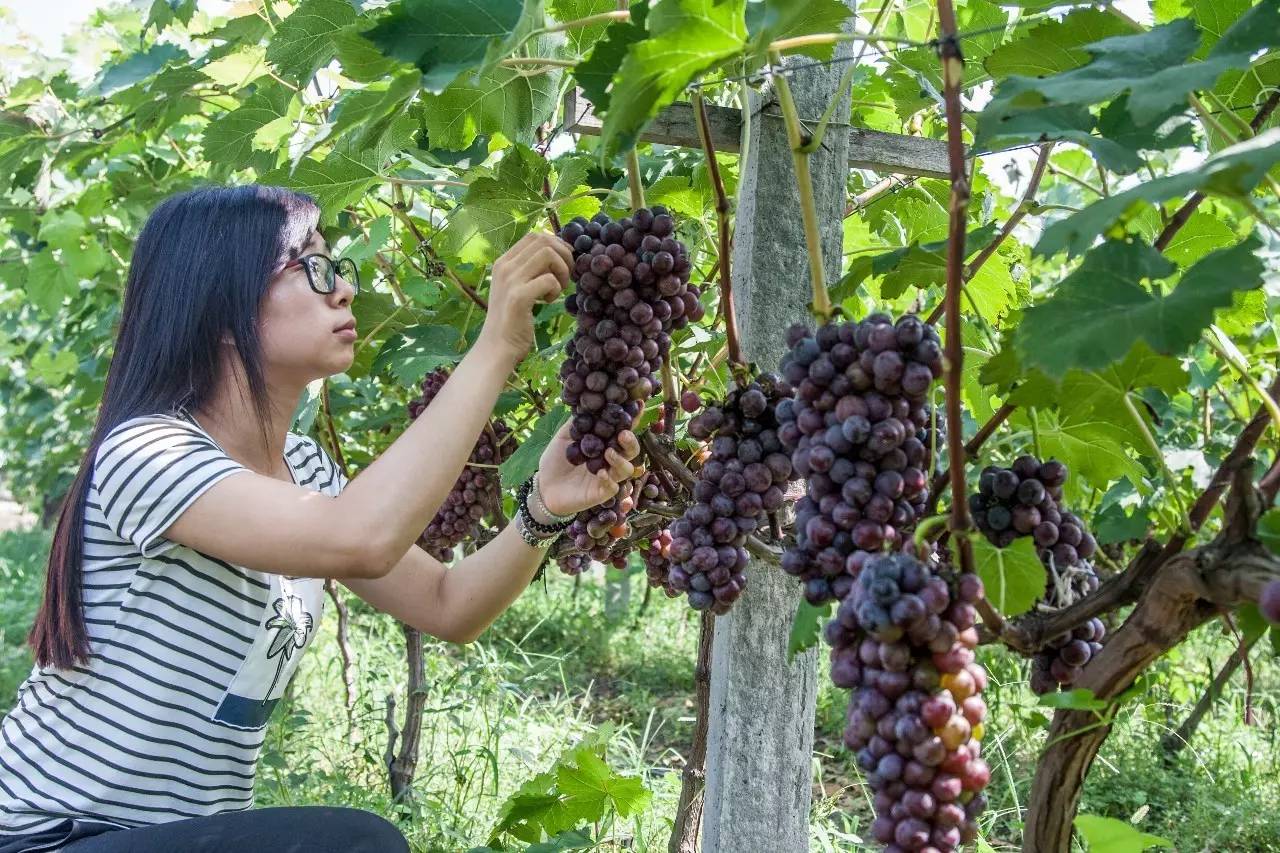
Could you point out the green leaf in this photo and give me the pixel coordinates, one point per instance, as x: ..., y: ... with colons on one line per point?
x: 239, y: 68
x: 303, y: 42
x: 1108, y: 835
x: 49, y: 282
x: 771, y: 20
x: 1101, y: 394
x: 497, y: 211
x: 88, y: 260
x: 570, y: 839
x: 592, y: 789
x: 496, y: 100
x: 1269, y: 530
x: 1233, y: 173
x: 62, y: 229
x: 595, y: 73
x: 1014, y: 576
x: 139, y: 66
x: 806, y: 627
x: 416, y: 351
x: 525, y: 460
x: 1153, y: 67
x: 165, y: 12
x: 53, y: 370
x: 1113, y: 524
x: 360, y: 58
x: 685, y: 38
x: 1079, y: 699
x: 1097, y: 312
x: 445, y: 38
x: 580, y: 39
x: 1054, y: 46
x: 1092, y: 448
x: 677, y: 193
x: 359, y: 108
x: 1201, y: 235
x: 228, y: 139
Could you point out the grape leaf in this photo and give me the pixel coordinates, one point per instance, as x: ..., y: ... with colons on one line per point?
x: 1103, y: 391
x: 365, y: 107
x: 1113, y: 524
x: 62, y: 229
x: 1096, y: 312
x: 1152, y: 66
x: 1201, y: 235
x: 770, y: 20
x: 123, y: 74
x: 1092, y: 448
x: 1054, y: 46
x: 495, y: 100
x: 677, y: 193
x: 595, y: 73
x: 1013, y: 576
x: 49, y: 282
x: 580, y: 39
x: 524, y: 461
x: 360, y: 58
x: 496, y: 211
x: 685, y: 38
x: 591, y: 786
x: 304, y: 41
x: 334, y: 182
x: 445, y: 38
x: 806, y: 627
x: 418, y: 350
x: 1108, y: 835
x: 228, y: 139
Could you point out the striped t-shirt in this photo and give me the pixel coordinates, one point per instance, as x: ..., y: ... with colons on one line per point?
x: 189, y: 654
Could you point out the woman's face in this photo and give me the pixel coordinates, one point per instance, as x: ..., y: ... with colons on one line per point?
x: 307, y: 335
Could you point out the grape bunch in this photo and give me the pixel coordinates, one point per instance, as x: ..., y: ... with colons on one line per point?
x: 597, y: 532
x: 737, y: 486
x: 902, y: 641
x: 656, y: 553
x: 857, y: 431
x: 478, y: 490
x: 1024, y: 500
x: 632, y: 290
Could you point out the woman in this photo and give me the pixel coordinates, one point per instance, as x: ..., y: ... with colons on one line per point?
x: 185, y: 577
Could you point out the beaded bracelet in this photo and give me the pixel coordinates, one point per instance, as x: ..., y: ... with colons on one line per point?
x: 531, y: 530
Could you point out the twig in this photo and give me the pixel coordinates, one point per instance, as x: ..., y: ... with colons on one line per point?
x: 344, y: 651
x: 425, y: 246
x: 722, y: 221
x: 684, y: 833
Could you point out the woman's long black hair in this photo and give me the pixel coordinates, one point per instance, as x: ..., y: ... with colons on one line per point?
x: 199, y: 271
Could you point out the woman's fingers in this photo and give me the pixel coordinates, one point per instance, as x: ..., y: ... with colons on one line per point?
x: 629, y: 443
x: 619, y: 468
x: 544, y: 288
x: 605, y: 476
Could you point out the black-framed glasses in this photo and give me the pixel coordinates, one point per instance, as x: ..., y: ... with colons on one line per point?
x: 322, y: 272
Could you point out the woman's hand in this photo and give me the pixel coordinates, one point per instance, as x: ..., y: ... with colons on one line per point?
x: 534, y: 270
x: 567, y: 489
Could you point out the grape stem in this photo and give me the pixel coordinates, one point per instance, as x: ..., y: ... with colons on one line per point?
x: 425, y: 245
x: 669, y: 394
x: 804, y: 183
x: 633, y: 180
x: 722, y: 222
x: 953, y: 354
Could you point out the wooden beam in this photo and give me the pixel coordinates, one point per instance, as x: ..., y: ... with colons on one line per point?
x: 674, y: 125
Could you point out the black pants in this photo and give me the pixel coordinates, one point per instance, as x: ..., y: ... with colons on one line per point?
x: 294, y: 829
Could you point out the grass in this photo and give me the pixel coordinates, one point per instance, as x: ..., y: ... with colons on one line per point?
x: 557, y: 666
